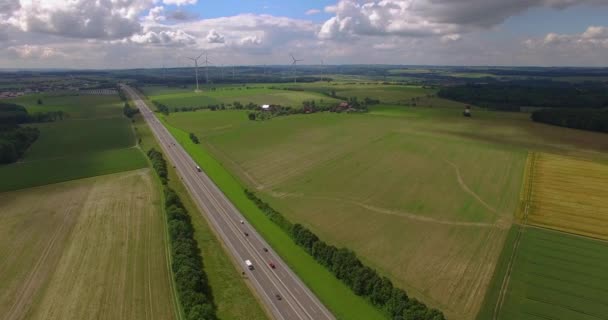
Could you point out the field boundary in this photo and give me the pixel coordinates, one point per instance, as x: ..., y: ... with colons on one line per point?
x: 522, y: 213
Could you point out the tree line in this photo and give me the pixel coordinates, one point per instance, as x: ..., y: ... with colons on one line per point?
x: 513, y: 95
x: 194, y: 138
x: 16, y: 139
x: 159, y: 164
x: 585, y: 119
x: 128, y: 111
x: 192, y: 285
x: 346, y: 266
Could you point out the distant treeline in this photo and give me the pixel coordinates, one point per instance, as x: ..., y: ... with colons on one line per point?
x: 187, y: 263
x: 513, y: 95
x: 346, y: 266
x: 585, y: 119
x: 15, y: 139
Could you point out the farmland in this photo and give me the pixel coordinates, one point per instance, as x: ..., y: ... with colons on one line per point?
x: 95, y: 138
x: 86, y: 248
x: 230, y: 94
x: 555, y: 276
x: 433, y: 196
x: 568, y: 194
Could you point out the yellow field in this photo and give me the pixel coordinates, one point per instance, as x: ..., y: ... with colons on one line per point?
x: 570, y: 195
x: 85, y: 249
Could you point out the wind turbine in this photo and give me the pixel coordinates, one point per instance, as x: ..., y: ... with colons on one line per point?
x: 196, y: 69
x: 294, y: 64
x: 207, y: 62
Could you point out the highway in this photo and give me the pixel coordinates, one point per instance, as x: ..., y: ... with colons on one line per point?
x: 294, y: 300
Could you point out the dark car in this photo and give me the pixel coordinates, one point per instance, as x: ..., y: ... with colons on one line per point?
x: 246, y: 234
x: 265, y: 249
x: 271, y: 265
x: 278, y: 296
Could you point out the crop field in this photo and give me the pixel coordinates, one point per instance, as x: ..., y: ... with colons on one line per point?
x: 94, y: 139
x: 423, y: 195
x: 230, y: 94
x: 569, y: 194
x: 555, y: 276
x: 90, y: 248
x: 76, y: 106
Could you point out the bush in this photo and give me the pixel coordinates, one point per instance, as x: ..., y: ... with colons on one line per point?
x: 159, y: 164
x: 194, y: 138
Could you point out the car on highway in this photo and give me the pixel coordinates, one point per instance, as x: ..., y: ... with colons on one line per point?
x: 246, y: 234
x: 272, y: 265
x: 242, y: 222
x: 265, y: 249
x: 249, y: 264
x: 278, y: 296
x: 198, y: 168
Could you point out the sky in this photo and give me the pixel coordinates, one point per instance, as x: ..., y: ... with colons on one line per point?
x: 118, y: 34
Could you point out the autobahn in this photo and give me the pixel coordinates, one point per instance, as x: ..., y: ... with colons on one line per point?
x: 243, y: 242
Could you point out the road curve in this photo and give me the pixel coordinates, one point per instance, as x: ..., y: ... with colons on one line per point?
x: 297, y: 301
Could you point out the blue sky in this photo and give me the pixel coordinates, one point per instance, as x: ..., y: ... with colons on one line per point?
x: 139, y: 33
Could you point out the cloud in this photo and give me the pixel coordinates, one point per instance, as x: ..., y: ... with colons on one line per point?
x: 156, y: 14
x: 312, y: 12
x: 214, y: 37
x: 34, y: 52
x: 180, y: 2
x: 250, y: 41
x: 180, y: 15
x: 79, y: 18
x: 593, y: 36
x: 426, y: 18
x: 164, y: 38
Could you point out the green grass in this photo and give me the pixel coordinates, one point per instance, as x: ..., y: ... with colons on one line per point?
x: 95, y: 139
x: 228, y: 95
x: 40, y: 172
x: 232, y: 297
x: 73, y: 137
x: 417, y: 192
x: 90, y: 248
x: 557, y: 276
x: 76, y: 106
x: 335, y: 295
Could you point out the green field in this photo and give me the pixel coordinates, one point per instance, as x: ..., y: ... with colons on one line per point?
x: 555, y: 276
x: 94, y: 139
x: 333, y: 293
x: 90, y: 248
x: 422, y: 194
x: 229, y: 94
x: 232, y: 297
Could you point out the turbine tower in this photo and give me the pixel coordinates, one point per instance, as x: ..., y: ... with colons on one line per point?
x: 294, y: 64
x: 207, y: 62
x: 196, y: 69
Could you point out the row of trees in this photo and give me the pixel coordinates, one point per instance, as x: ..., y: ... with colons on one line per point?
x: 159, y: 164
x: 14, y: 141
x: 585, y: 119
x: 187, y: 263
x: 161, y: 107
x: 194, y: 138
x: 14, y: 114
x: 346, y: 266
x: 513, y: 95
x: 128, y: 111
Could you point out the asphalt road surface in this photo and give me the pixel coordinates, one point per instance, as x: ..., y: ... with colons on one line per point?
x: 243, y: 242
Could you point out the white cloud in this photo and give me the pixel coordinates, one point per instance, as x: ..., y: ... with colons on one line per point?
x: 250, y: 41
x: 214, y: 37
x: 156, y: 14
x: 180, y: 2
x: 418, y: 18
x: 34, y: 52
x: 312, y: 12
x: 79, y: 18
x: 593, y: 36
x: 164, y: 38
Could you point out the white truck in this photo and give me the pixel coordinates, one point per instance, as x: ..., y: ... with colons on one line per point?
x: 249, y: 264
